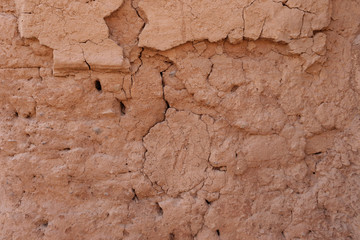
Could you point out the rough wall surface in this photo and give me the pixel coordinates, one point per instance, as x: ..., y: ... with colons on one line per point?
x: 180, y: 119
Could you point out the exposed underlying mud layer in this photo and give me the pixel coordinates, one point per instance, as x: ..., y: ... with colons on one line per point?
x: 154, y: 119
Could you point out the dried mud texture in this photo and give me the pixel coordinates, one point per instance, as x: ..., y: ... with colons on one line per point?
x: 190, y: 20
x: 75, y: 30
x: 144, y: 119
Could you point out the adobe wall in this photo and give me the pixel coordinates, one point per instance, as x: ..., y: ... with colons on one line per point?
x: 179, y: 119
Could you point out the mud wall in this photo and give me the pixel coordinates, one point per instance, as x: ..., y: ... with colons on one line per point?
x: 181, y: 119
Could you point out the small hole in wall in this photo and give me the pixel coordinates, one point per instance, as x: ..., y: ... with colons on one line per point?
x: 207, y: 202
x: 135, y: 198
x: 16, y: 114
x: 42, y: 223
x: 122, y: 109
x: 45, y: 224
x: 234, y: 88
x: 317, y: 153
x: 218, y: 232
x: 159, y: 209
x: 313, y: 172
x: 172, y: 236
x: 98, y: 85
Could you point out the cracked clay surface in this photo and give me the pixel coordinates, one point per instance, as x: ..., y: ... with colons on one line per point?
x: 180, y: 119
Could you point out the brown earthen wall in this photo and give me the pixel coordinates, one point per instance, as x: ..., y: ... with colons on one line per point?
x: 179, y: 119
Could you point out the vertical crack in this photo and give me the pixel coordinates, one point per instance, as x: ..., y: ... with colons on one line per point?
x: 142, y: 18
x: 243, y: 15
x: 87, y: 64
x: 211, y: 69
x: 163, y: 92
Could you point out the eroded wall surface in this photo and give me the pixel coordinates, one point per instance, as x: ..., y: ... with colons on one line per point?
x: 179, y: 119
